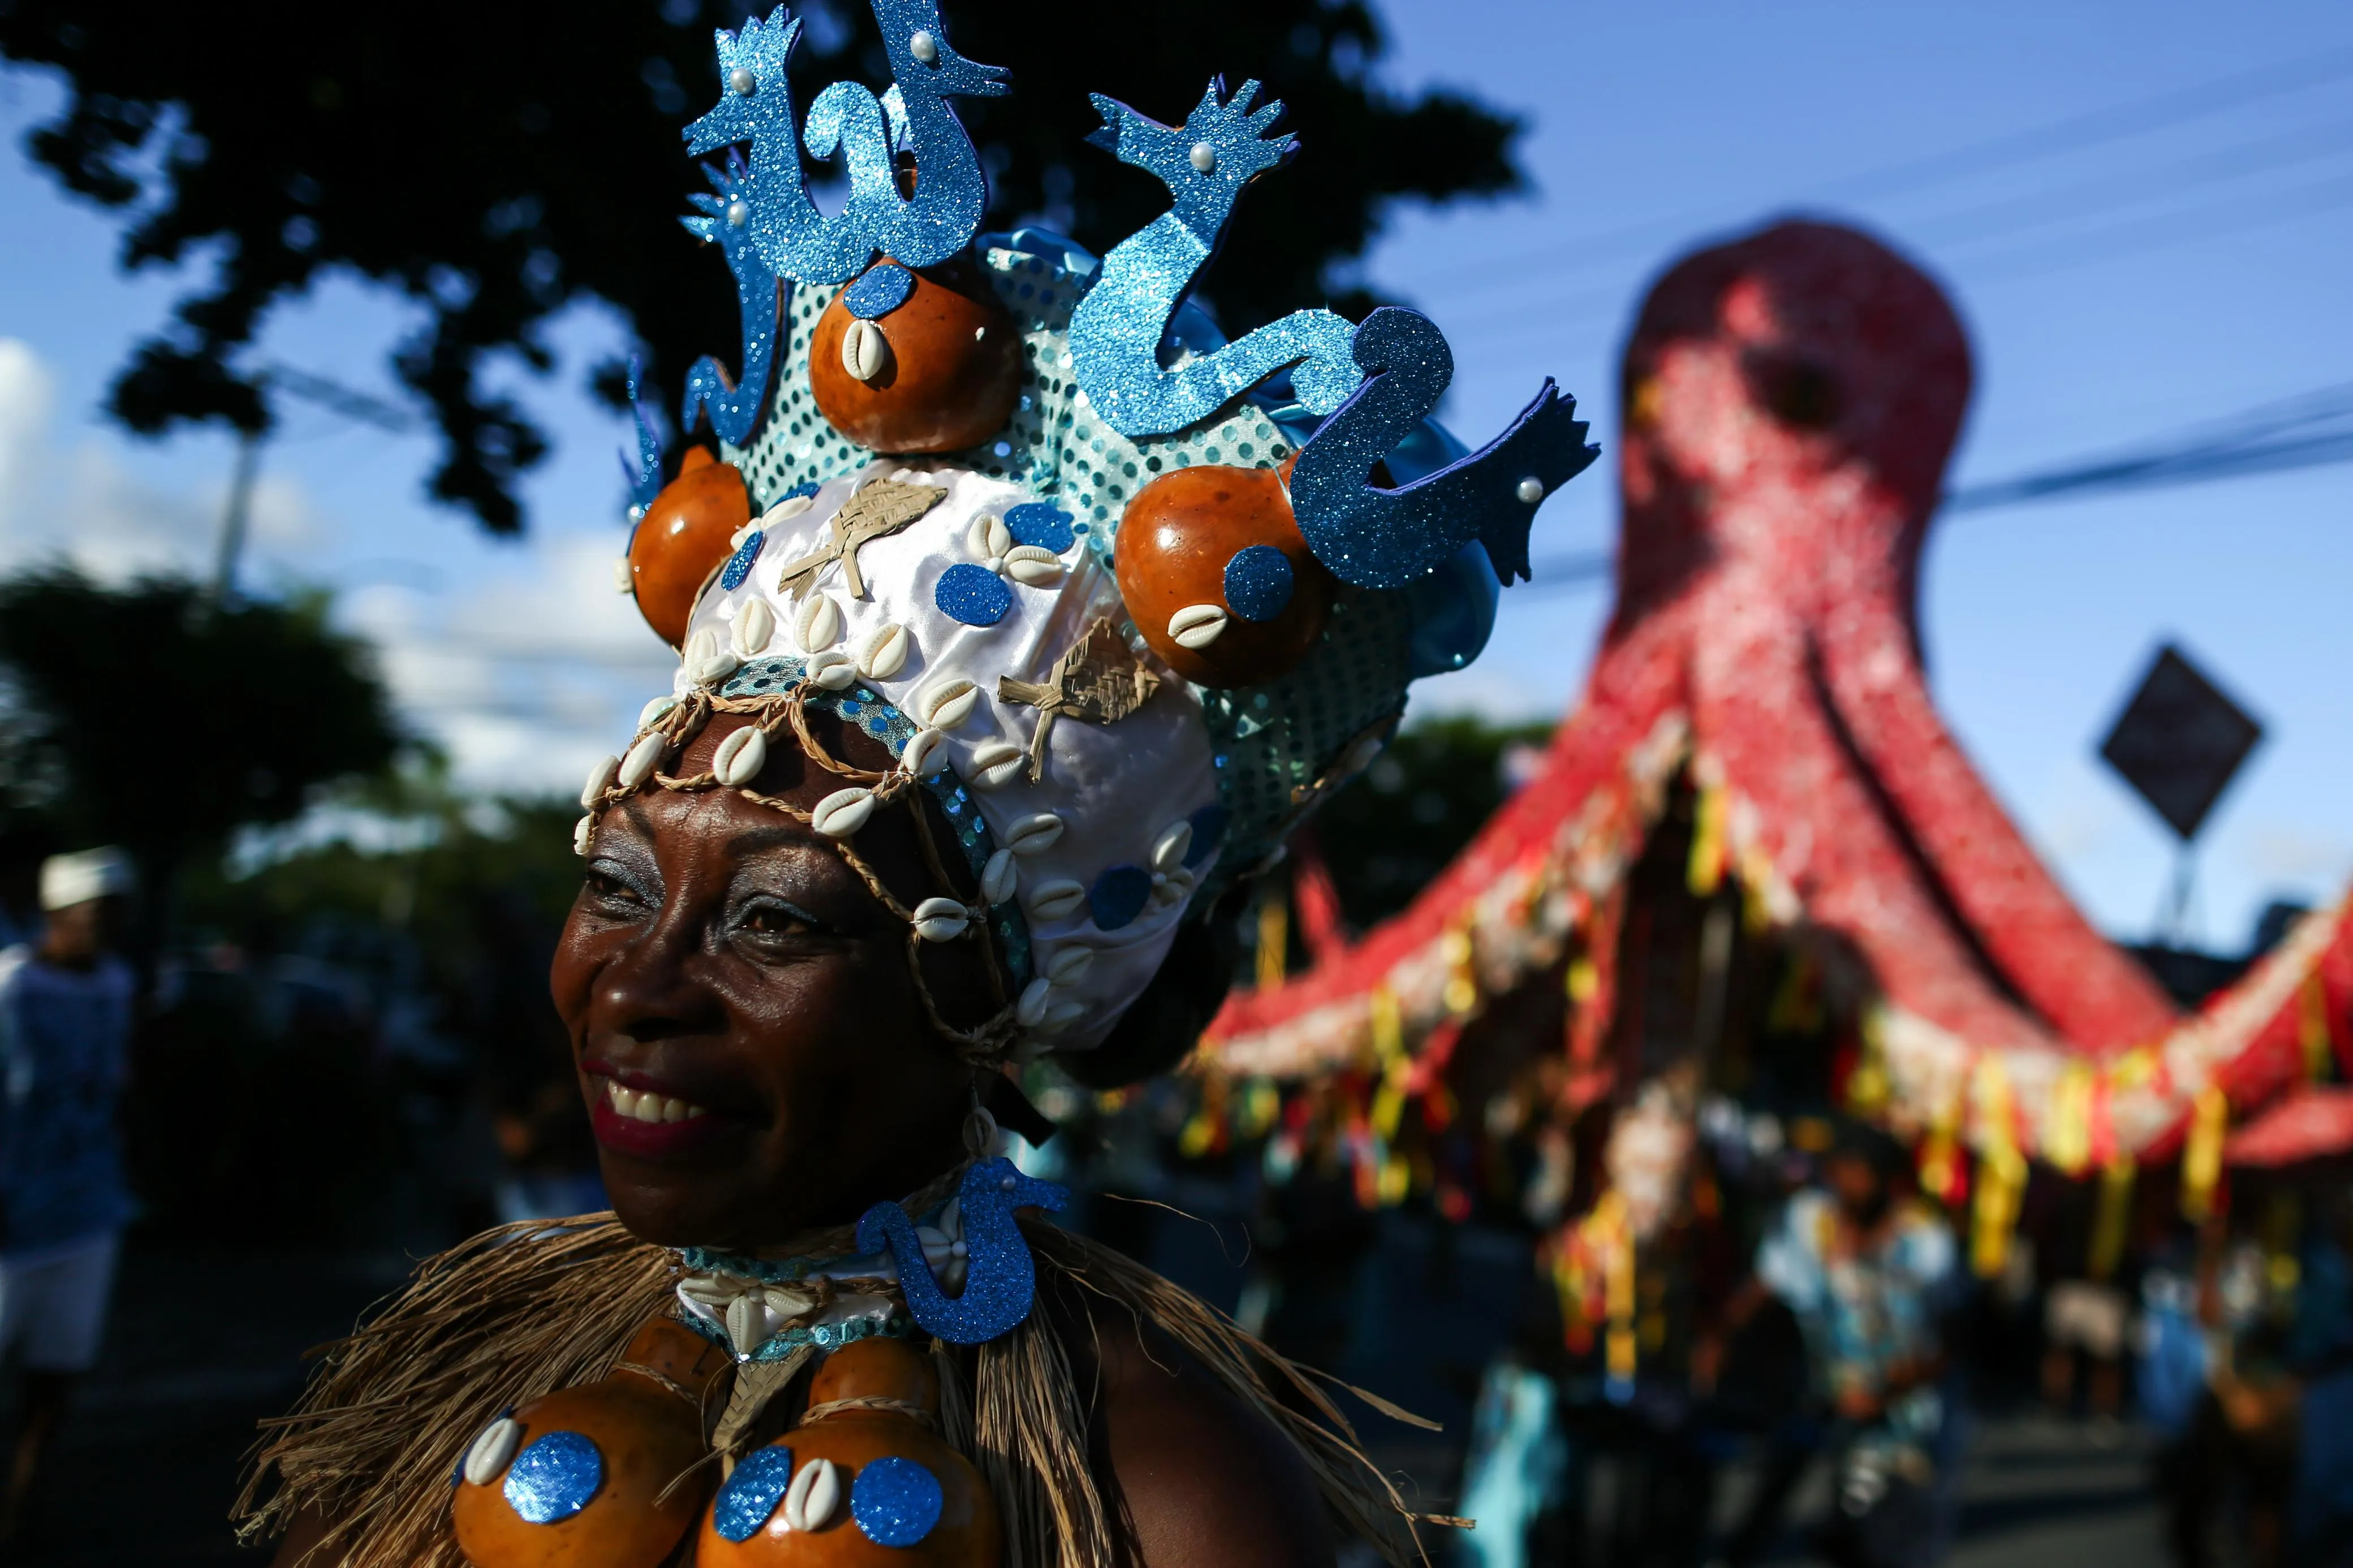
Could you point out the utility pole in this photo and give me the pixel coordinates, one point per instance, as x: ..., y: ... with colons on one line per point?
x: 236, y: 517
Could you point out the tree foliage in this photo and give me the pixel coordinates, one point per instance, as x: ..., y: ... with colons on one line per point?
x: 496, y: 163
x: 149, y: 717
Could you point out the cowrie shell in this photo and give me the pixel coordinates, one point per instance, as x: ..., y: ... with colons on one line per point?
x: 843, y: 812
x: 941, y: 920
x: 1359, y: 756
x: 656, y: 710
x: 948, y: 705
x: 1034, y: 833
x: 712, y: 670
x: 1033, y: 564
x: 740, y: 757
x: 1196, y: 625
x: 598, y: 782
x: 925, y: 754
x: 493, y: 1451
x: 1070, y: 966
x: 996, y: 878
x: 815, y: 1495
x: 643, y: 758
x: 832, y: 671
x: 1036, y: 997
x: 625, y: 580
x: 584, y: 836
x: 883, y: 652
x: 756, y: 624
x: 1052, y: 900
x: 1168, y: 849
x: 1171, y: 889
x: 818, y: 625
x: 864, y: 350
x: 996, y: 764
x: 1061, y: 1017
x: 701, y: 645
x: 989, y: 538
x: 787, y: 509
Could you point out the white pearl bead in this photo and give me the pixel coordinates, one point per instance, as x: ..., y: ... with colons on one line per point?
x: 743, y: 80
x: 924, y: 48
x: 738, y: 214
x: 1204, y: 157
x: 1531, y: 490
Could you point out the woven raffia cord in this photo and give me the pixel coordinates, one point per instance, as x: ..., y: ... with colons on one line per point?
x: 525, y: 1309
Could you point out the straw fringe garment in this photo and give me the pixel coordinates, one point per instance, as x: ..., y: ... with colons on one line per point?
x: 524, y: 1310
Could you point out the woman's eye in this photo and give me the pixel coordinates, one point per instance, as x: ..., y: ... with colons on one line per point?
x: 605, y: 887
x: 778, y: 920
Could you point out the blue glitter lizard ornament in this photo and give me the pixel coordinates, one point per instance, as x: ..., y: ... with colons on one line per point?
x: 1000, y: 1279
x: 755, y: 105
x: 1117, y: 329
x: 645, y: 475
x: 726, y: 220
x: 1378, y: 538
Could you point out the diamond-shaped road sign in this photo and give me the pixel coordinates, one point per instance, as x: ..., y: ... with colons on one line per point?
x: 2179, y: 741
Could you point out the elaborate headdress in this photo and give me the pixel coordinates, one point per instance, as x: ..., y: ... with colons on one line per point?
x: 1126, y: 598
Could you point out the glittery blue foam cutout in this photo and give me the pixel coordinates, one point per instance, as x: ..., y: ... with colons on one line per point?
x: 1209, y: 830
x: 1259, y: 582
x: 793, y: 237
x: 1379, y: 538
x: 734, y: 409
x: 645, y: 475
x: 973, y: 595
x: 752, y: 1493
x: 806, y: 488
x: 1116, y: 331
x: 553, y: 1478
x: 739, y: 565
x: 1042, y: 524
x: 1000, y: 1279
x: 1119, y: 896
x: 882, y: 289
x: 896, y: 1502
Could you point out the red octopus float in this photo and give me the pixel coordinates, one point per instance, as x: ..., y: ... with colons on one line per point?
x: 1791, y: 401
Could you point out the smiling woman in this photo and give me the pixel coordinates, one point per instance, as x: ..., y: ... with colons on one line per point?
x: 931, y: 804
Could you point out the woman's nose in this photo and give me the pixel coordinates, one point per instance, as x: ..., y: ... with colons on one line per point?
x: 655, y: 988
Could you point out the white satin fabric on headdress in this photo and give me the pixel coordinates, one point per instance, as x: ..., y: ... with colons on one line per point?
x: 1117, y: 788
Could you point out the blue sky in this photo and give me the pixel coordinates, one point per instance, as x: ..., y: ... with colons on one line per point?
x: 2183, y: 257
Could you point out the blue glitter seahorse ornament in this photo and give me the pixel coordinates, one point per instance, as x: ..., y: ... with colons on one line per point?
x: 724, y: 220
x: 645, y: 475
x: 755, y: 107
x: 1378, y: 538
x: 1116, y: 331
x: 1000, y: 1279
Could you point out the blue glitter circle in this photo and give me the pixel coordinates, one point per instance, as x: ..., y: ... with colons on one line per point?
x: 739, y: 565
x: 1041, y: 523
x: 883, y: 290
x: 1259, y: 582
x: 973, y: 595
x: 1208, y: 826
x: 1119, y: 896
x: 896, y: 1502
x: 752, y: 1493
x: 555, y: 1477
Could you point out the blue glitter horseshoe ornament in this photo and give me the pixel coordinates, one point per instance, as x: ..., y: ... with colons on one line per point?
x: 1378, y: 538
x: 1000, y: 1279
x: 1116, y: 331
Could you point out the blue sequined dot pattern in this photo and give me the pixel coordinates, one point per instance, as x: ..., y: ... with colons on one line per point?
x: 553, y: 1478
x: 881, y: 291
x: 1259, y: 582
x: 896, y: 1502
x: 752, y: 1493
x: 973, y: 595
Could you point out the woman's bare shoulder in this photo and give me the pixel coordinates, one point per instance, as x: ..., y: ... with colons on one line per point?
x: 1205, y: 1481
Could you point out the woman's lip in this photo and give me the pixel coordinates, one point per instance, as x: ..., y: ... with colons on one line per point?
x: 654, y: 1140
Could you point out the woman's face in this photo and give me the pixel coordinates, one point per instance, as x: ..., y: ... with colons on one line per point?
x: 755, y: 1055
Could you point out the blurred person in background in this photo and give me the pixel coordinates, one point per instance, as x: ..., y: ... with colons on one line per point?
x: 1870, y: 1272
x: 65, y: 1023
